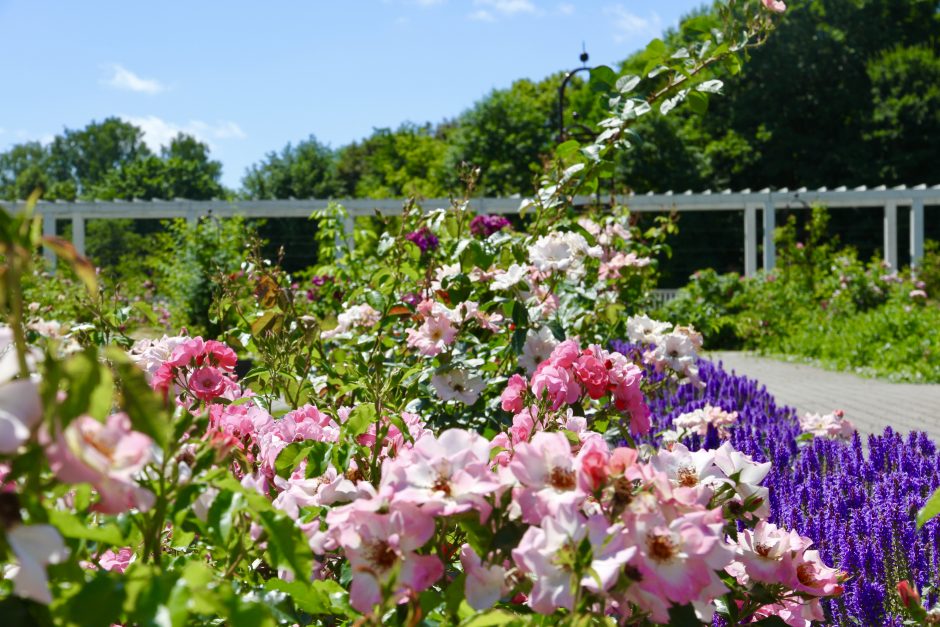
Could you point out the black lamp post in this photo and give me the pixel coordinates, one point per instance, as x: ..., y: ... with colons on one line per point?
x: 576, y: 130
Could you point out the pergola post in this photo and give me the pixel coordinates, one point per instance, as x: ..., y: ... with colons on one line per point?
x: 750, y: 240
x: 78, y: 233
x: 770, y: 223
x: 349, y: 227
x: 48, y: 230
x: 917, y: 231
x: 891, y: 234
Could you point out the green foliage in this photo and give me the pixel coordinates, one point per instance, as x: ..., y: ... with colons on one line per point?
x: 306, y: 170
x: 905, y: 121
x: 928, y: 270
x: 408, y: 161
x: 711, y: 303
x: 184, y: 170
x: 190, y: 260
x: 508, y: 134
x: 821, y: 303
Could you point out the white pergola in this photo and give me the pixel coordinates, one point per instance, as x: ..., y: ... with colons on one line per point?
x: 765, y: 201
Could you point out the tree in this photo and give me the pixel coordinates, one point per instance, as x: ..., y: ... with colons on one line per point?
x: 905, y: 122
x: 507, y: 135
x: 85, y: 157
x: 408, y: 161
x: 306, y: 170
x: 22, y: 170
x: 184, y: 170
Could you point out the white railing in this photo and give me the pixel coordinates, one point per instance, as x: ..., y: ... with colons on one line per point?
x: 765, y: 201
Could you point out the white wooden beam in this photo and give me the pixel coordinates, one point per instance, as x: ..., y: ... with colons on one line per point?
x: 48, y: 230
x: 750, y: 240
x: 78, y: 233
x: 891, y: 234
x: 770, y: 248
x: 917, y: 231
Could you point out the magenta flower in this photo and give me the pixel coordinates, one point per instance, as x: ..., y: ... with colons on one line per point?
x: 557, y: 384
x: 117, y: 562
x: 107, y: 456
x: 779, y: 7
x: 511, y: 399
x: 207, y: 383
x: 592, y: 374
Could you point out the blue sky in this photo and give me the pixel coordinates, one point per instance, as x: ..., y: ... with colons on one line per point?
x: 248, y: 77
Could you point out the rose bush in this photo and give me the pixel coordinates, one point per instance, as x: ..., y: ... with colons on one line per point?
x: 455, y: 444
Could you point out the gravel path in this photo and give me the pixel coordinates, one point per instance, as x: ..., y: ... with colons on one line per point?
x: 870, y: 404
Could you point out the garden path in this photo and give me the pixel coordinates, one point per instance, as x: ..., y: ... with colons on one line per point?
x: 871, y: 404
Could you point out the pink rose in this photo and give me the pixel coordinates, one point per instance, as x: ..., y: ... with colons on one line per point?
x: 565, y: 354
x: 117, y: 562
x: 779, y: 7
x: 207, y: 383
x: 511, y: 398
x: 105, y: 455
x: 221, y: 355
x: 557, y: 383
x: 622, y: 458
x: 591, y: 372
x: 593, y: 457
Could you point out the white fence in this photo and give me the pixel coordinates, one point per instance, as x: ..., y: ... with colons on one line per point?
x: 765, y: 201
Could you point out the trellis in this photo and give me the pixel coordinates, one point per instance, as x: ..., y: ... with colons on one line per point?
x: 766, y: 202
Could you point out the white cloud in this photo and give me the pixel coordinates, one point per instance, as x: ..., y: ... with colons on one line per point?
x: 630, y: 25
x: 507, y: 7
x: 159, y: 132
x: 482, y: 16
x: 566, y: 9
x: 122, y: 78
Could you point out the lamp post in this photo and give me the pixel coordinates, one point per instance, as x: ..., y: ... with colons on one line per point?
x: 577, y: 130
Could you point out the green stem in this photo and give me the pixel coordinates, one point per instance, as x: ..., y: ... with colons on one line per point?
x: 16, y: 303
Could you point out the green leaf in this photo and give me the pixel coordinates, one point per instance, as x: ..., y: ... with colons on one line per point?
x: 683, y: 616
x: 518, y: 341
x: 359, y: 419
x: 602, y: 78
x: 70, y: 526
x: 265, y: 322
x: 98, y: 602
x: 144, y: 406
x: 219, y: 519
x: 627, y: 83
x: 566, y: 149
x: 656, y: 48
x: 287, y: 546
x: 91, y: 388
x: 930, y: 509
x: 520, y: 314
x: 319, y: 597
x: 698, y: 102
x: 251, y: 615
x: 493, y: 618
